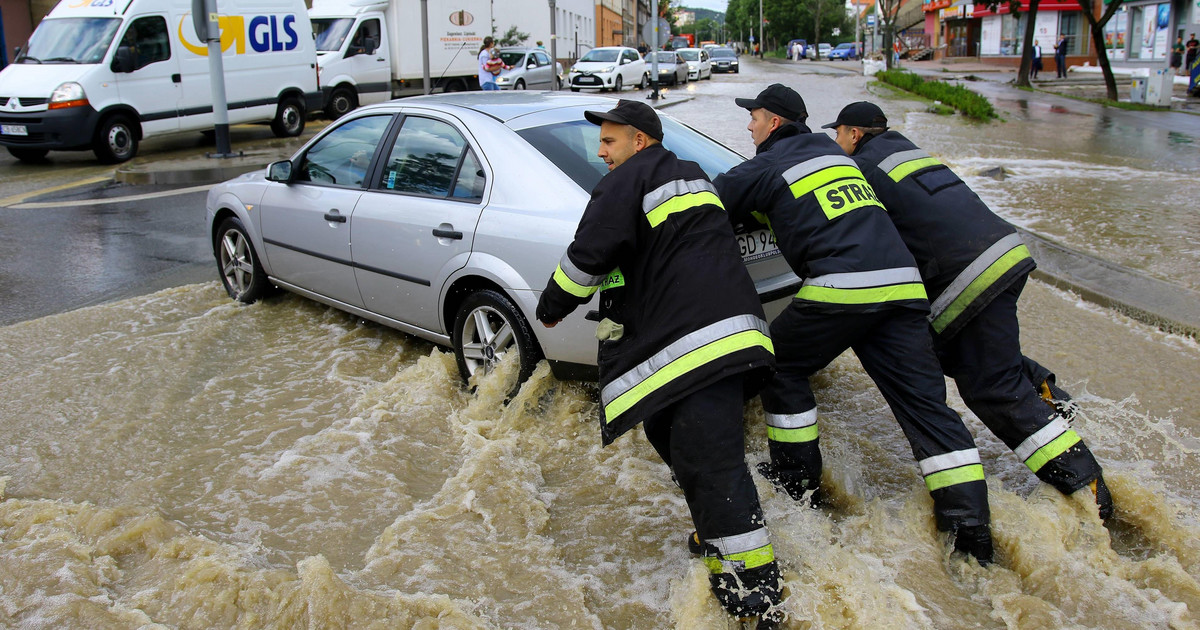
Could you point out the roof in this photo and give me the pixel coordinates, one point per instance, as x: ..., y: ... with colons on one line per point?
x: 507, y: 105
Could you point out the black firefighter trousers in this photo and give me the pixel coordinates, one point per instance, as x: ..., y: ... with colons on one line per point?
x: 984, y: 359
x: 895, y: 348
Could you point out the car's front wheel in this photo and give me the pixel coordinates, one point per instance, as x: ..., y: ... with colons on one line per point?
x: 116, y: 140
x: 241, y: 273
x: 519, y: 85
x: 617, y: 84
x: 487, y: 328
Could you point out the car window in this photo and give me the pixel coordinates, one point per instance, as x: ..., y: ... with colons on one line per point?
x: 366, y: 39
x: 148, y: 38
x: 514, y: 58
x: 542, y: 58
x: 602, y: 55
x: 630, y: 55
x: 425, y: 159
x: 469, y: 182
x: 341, y: 158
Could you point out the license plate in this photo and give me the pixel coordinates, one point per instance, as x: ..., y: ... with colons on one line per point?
x: 588, y: 80
x: 14, y: 130
x: 756, y: 245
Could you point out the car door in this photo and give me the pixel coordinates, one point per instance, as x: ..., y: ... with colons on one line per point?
x: 153, y: 88
x: 306, y: 223
x: 632, y: 71
x: 544, y: 73
x: 415, y: 225
x: 368, y: 56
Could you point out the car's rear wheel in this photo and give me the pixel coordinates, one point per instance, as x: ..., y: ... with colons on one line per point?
x: 241, y: 273
x: 645, y: 83
x: 487, y: 328
x: 289, y: 118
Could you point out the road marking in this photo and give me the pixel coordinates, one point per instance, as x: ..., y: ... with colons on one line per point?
x: 18, y: 198
x: 97, y: 202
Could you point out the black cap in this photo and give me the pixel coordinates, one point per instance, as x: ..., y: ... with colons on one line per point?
x: 778, y: 99
x: 860, y: 114
x: 636, y: 114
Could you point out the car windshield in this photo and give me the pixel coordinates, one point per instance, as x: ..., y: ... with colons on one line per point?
x: 606, y: 56
x: 690, y: 55
x: 331, y: 32
x: 665, y: 57
x: 70, y: 40
x: 512, y: 57
x: 572, y: 146
x: 723, y: 52
x: 845, y: 46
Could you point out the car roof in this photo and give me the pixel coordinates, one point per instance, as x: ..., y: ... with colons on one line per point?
x: 504, y: 105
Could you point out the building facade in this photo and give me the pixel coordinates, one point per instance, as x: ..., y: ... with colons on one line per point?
x: 610, y: 27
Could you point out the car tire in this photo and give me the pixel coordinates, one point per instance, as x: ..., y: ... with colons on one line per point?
x: 645, y: 82
x: 35, y: 156
x: 116, y: 140
x: 487, y: 326
x: 557, y: 83
x: 237, y: 263
x: 289, y: 118
x: 342, y: 101
x: 617, y: 84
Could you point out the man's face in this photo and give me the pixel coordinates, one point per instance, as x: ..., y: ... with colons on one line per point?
x: 847, y: 137
x: 617, y: 143
x: 762, y: 123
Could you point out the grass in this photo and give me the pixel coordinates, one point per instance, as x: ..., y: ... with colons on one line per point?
x: 971, y: 105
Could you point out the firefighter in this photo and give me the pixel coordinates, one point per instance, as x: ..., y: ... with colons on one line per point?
x: 861, y: 290
x: 974, y: 266
x: 683, y: 340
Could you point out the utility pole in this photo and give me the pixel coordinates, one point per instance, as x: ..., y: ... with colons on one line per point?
x: 553, y: 41
x: 425, y: 45
x: 762, y: 43
x: 206, y: 18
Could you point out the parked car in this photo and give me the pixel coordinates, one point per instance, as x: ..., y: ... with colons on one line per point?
x: 698, y: 64
x: 792, y: 44
x: 672, y: 69
x: 609, y: 68
x: 451, y: 242
x: 844, y: 51
x: 723, y: 60
x: 820, y: 51
x: 530, y: 69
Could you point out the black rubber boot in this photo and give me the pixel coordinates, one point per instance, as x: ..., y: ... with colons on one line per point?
x: 795, y: 483
x: 749, y: 592
x: 1058, y: 399
x: 975, y: 541
x: 1104, y: 498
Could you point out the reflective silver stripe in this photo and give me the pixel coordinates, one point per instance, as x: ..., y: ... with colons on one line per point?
x: 664, y: 193
x: 808, y: 167
x: 577, y: 276
x: 792, y: 420
x: 741, y: 543
x: 968, y: 275
x: 865, y: 279
x: 1044, y: 436
x: 946, y: 461
x: 682, y: 346
x: 900, y: 157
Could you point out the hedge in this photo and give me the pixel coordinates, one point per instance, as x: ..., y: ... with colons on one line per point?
x: 969, y: 103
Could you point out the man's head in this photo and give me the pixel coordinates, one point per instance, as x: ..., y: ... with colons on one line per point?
x: 855, y: 122
x: 624, y: 130
x: 773, y: 108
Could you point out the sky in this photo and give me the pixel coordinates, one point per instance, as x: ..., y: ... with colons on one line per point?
x: 715, y: 5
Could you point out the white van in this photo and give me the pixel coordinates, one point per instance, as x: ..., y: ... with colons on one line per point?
x: 103, y: 74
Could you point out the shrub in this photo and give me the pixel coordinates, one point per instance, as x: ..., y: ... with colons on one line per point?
x: 969, y: 103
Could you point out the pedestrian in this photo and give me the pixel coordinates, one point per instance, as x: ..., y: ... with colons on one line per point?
x: 797, y: 51
x: 1177, y: 55
x: 540, y: 46
x: 974, y: 266
x: 682, y: 341
x: 487, y: 78
x: 1060, y: 57
x: 861, y: 290
x: 1193, y: 47
x: 1036, y: 66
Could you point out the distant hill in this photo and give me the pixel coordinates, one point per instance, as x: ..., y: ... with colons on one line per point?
x: 702, y: 14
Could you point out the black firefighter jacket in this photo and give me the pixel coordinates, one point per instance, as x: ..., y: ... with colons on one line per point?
x: 967, y: 254
x: 655, y: 236
x: 827, y: 221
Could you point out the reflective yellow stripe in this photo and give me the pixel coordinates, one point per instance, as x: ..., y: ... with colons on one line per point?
x: 684, y: 364
x: 954, y: 476
x: 681, y: 203
x: 1055, y: 448
x: 745, y: 560
x: 805, y: 434
x: 809, y: 183
x: 570, y: 286
x: 875, y: 295
x: 910, y: 167
x: 613, y: 280
x: 979, y: 285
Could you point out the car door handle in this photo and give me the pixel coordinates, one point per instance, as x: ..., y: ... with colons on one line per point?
x: 335, y: 216
x: 454, y: 234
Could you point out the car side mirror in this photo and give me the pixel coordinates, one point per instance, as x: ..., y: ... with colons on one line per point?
x: 624, y: 61
x: 531, y: 64
x: 280, y: 171
x: 372, y: 45
x: 123, y: 60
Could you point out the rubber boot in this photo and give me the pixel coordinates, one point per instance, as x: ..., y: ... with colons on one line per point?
x: 1058, y: 399
x: 748, y: 592
x: 975, y: 541
x: 1103, y: 497
x: 794, y: 482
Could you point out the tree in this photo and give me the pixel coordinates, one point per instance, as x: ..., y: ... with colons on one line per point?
x: 1097, y: 28
x: 1014, y: 6
x: 513, y: 37
x: 888, y: 10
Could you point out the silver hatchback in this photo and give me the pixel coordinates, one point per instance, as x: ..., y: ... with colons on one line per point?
x: 444, y: 216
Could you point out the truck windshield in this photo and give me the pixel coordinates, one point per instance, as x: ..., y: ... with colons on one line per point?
x: 70, y: 40
x: 331, y: 32
x: 605, y: 56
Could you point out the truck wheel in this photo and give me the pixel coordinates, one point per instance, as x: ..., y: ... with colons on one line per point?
x: 289, y: 118
x: 116, y: 140
x: 341, y: 102
x: 455, y: 85
x: 29, y: 155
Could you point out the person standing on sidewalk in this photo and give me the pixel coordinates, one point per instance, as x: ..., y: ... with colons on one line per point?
x: 487, y: 78
x: 1036, y: 66
x: 682, y: 341
x: 1060, y: 57
x: 1177, y: 55
x: 861, y: 290
x: 974, y: 266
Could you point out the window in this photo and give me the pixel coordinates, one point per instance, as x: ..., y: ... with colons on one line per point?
x: 630, y: 55
x: 542, y: 58
x: 342, y: 157
x: 148, y: 38
x: 366, y: 39
x: 426, y: 160
x: 70, y: 40
x: 331, y: 32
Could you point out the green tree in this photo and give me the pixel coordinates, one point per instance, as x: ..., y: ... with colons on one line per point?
x: 512, y: 37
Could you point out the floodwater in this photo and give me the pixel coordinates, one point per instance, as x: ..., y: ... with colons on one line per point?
x: 179, y: 460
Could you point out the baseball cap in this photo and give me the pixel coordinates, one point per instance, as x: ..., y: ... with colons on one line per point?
x: 778, y: 99
x: 638, y: 115
x: 860, y: 114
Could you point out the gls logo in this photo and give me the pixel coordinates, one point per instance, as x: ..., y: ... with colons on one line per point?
x: 267, y: 33
x: 90, y: 3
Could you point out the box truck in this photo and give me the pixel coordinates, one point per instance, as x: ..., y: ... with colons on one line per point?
x: 369, y: 51
x: 105, y: 74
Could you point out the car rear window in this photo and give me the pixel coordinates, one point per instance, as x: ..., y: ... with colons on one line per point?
x: 572, y: 147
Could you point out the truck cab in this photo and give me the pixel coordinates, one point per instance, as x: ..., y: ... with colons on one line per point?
x: 353, y: 55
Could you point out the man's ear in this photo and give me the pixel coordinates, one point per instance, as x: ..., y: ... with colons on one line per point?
x: 639, y: 141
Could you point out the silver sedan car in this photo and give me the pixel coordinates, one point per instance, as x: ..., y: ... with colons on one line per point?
x: 444, y: 216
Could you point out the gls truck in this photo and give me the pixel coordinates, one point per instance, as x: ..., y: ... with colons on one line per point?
x: 369, y: 51
x: 104, y: 74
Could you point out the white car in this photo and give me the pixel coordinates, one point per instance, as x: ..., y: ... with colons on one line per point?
x: 697, y: 61
x: 609, y: 68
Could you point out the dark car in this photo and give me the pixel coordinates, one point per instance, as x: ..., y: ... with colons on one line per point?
x: 723, y: 60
